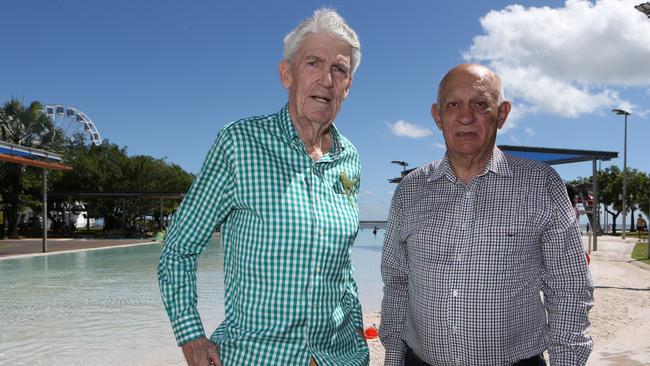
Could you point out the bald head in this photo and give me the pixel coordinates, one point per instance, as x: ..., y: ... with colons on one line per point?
x: 469, y: 111
x: 486, y: 80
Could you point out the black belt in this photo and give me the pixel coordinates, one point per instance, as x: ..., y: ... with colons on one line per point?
x: 411, y: 359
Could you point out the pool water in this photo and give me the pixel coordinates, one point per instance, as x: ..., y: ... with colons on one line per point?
x: 103, y: 307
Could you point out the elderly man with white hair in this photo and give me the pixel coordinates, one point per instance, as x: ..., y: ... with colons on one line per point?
x: 283, y: 188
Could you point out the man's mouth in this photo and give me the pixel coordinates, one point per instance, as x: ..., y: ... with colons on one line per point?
x: 321, y: 99
x: 465, y: 134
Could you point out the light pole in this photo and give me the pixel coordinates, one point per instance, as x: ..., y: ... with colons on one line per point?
x: 624, y: 113
x: 645, y: 9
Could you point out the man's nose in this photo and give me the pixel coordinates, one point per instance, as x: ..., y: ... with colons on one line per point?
x: 326, y: 78
x: 466, y: 115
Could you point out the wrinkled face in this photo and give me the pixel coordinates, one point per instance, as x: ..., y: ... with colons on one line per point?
x: 468, y: 112
x: 318, y: 79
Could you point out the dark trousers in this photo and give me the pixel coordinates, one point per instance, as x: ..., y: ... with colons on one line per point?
x: 411, y: 359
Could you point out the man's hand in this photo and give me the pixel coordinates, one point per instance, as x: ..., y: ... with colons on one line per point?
x: 201, y: 352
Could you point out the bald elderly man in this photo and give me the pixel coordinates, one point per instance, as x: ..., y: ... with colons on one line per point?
x: 471, y: 241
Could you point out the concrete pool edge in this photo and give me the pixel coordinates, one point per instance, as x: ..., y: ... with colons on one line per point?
x: 25, y: 248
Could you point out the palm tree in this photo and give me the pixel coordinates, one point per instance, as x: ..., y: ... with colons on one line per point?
x: 30, y: 127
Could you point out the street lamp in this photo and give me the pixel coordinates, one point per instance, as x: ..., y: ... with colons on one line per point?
x: 645, y: 9
x: 624, y: 113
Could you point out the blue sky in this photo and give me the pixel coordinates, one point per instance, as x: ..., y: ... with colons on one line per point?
x: 161, y: 77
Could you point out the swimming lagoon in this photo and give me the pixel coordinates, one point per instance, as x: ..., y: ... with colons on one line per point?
x: 103, y: 307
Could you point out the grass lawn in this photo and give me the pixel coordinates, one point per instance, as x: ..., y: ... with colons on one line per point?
x: 640, y: 252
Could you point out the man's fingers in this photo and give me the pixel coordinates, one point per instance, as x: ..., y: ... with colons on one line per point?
x: 201, y: 352
x: 213, y: 357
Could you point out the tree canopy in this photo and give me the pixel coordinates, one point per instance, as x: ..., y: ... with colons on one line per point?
x: 610, y: 189
x: 103, y: 168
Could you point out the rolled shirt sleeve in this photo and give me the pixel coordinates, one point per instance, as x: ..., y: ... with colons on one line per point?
x: 205, y: 206
x: 568, y: 287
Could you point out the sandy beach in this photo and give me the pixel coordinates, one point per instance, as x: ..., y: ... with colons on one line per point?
x: 620, y: 318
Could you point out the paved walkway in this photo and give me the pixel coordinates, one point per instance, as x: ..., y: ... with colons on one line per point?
x: 621, y: 314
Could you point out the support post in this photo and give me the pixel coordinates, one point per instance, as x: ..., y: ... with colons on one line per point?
x: 123, y: 217
x: 44, y: 210
x: 160, y: 224
x: 595, y: 211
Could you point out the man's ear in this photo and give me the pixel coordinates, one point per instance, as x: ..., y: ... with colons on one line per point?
x: 435, y: 113
x: 504, y: 110
x: 285, y: 73
x: 347, y: 89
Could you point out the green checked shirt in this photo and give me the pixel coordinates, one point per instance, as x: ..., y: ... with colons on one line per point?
x: 287, y: 226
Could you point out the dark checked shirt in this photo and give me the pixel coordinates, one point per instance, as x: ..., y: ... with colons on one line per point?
x: 287, y: 227
x: 463, y: 266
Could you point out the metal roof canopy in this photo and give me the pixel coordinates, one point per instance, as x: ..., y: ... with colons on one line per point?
x: 553, y: 156
x: 32, y: 157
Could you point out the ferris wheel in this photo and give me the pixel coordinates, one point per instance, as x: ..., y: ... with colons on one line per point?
x: 73, y: 122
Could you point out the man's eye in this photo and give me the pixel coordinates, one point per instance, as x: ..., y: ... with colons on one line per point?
x: 313, y: 63
x: 341, y: 71
x: 453, y: 105
x: 482, y: 106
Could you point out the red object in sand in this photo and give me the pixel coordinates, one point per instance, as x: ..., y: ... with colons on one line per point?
x: 371, y: 333
x: 588, y: 258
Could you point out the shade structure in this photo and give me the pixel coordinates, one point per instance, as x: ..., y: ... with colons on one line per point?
x: 554, y: 156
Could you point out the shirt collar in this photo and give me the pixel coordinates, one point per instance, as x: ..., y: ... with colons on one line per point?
x: 286, y: 124
x: 498, y: 164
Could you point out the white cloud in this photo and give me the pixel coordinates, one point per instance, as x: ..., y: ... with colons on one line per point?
x: 372, y: 208
x: 569, y: 60
x: 514, y: 139
x: 439, y: 145
x: 516, y: 114
x: 407, y: 129
x: 369, y: 193
x: 529, y: 131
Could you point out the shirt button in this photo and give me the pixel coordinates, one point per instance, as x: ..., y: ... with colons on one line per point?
x: 454, y: 293
x: 322, y: 232
x: 456, y: 361
x: 468, y: 195
x: 454, y: 329
x: 317, y: 269
x: 459, y: 257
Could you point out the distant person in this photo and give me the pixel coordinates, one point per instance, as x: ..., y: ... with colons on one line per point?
x: 587, y: 228
x: 283, y: 188
x: 471, y: 241
x: 641, y: 226
x: 571, y: 193
x: 374, y: 230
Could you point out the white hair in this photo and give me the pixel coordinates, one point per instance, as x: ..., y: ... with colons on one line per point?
x: 323, y: 20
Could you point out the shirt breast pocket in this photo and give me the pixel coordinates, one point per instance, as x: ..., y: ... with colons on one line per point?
x: 517, y: 242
